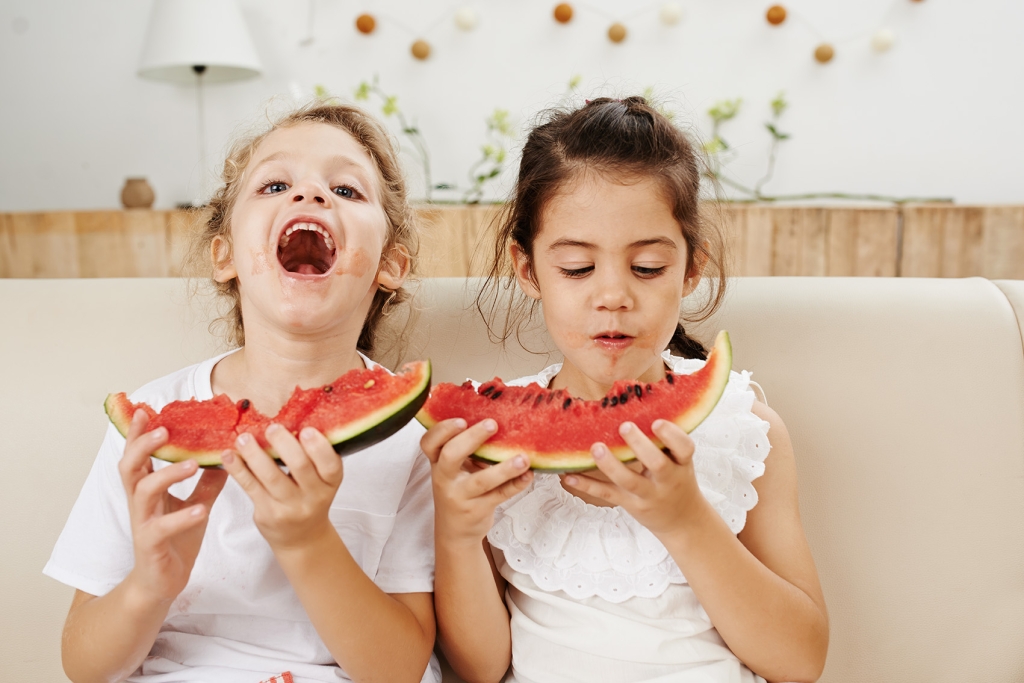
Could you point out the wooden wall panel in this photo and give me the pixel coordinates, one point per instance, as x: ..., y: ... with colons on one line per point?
x: 938, y: 240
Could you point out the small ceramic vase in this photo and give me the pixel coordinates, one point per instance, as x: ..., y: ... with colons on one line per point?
x: 137, y: 194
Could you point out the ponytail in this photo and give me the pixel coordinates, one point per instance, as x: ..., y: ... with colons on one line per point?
x: 685, y: 346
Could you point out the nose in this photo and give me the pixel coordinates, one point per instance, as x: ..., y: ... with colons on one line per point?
x: 613, y: 292
x: 315, y: 197
x: 310, y: 190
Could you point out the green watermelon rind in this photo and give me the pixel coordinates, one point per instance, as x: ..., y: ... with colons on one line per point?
x: 355, y: 436
x: 580, y: 461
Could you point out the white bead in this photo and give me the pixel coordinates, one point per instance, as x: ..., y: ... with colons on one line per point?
x: 882, y: 40
x: 466, y: 18
x: 671, y: 13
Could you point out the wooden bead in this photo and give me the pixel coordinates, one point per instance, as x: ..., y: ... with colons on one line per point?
x: 563, y: 13
x: 616, y: 32
x: 365, y: 23
x: 776, y: 15
x: 824, y: 53
x: 421, y: 49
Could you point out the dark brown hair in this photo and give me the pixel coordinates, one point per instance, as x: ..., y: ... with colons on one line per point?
x: 374, y: 138
x: 625, y: 138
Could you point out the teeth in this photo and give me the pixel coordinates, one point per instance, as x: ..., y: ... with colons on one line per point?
x: 307, y: 226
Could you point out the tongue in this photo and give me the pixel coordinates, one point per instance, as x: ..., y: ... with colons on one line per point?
x: 307, y: 269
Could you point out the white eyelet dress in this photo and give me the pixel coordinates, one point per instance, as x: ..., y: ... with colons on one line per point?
x: 594, y: 596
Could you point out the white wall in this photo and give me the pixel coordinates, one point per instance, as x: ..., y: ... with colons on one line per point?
x: 938, y: 115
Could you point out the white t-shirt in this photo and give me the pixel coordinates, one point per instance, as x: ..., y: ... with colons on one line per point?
x: 238, y: 620
x: 593, y: 595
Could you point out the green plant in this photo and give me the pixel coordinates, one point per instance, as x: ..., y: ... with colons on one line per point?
x: 494, y: 153
x: 720, y: 154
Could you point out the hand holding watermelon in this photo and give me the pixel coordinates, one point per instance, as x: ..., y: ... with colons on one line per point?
x: 465, y: 491
x: 166, y: 531
x: 290, y: 509
x: 664, y: 496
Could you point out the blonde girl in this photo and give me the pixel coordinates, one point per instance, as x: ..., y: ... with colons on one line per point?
x: 250, y: 574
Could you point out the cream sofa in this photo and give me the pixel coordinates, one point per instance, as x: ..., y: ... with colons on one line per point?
x: 905, y: 400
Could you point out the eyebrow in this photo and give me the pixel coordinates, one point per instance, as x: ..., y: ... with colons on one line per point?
x: 337, y: 160
x: 654, y: 241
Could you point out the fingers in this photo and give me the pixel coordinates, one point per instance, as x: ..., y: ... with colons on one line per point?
x: 135, y: 463
x: 262, y: 467
x: 509, y: 489
x: 676, y: 440
x: 311, y: 462
x: 462, y: 445
x: 617, y: 472
x: 496, y: 476
x: 239, y: 471
x: 163, y: 527
x: 328, y: 463
x: 150, y: 490
x: 438, y: 435
x: 646, y: 452
x: 599, y: 489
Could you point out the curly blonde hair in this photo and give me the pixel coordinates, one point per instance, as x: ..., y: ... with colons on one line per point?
x: 401, y: 232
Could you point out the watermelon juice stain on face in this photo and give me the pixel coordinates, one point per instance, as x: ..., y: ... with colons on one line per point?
x: 609, y: 261
x: 308, y: 205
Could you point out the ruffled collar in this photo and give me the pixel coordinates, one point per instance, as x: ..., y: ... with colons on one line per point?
x: 564, y: 543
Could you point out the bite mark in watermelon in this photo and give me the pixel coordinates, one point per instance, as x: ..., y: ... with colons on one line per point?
x: 555, y: 431
x: 357, y: 410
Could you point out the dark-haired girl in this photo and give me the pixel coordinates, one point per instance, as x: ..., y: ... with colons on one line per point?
x: 683, y: 566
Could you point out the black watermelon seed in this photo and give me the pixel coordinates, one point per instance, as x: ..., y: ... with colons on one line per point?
x: 604, y: 402
x: 615, y: 400
x: 495, y: 395
x: 328, y: 388
x: 670, y: 378
x: 536, y: 401
x: 568, y: 402
x: 623, y: 397
x: 648, y: 388
x: 638, y: 390
x: 245, y: 404
x: 486, y: 391
x: 551, y: 396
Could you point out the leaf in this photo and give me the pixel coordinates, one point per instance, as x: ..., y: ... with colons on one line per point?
x: 779, y: 104
x: 362, y: 92
x: 390, y: 105
x: 775, y: 132
x: 724, y: 110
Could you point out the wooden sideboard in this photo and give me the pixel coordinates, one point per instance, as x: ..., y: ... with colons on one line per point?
x: 918, y: 240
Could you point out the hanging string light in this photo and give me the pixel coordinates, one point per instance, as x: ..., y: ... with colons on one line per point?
x: 365, y: 24
x: 617, y: 32
x: 883, y: 40
x: 420, y: 49
x: 776, y: 14
x: 670, y: 14
x: 466, y: 18
x: 563, y: 13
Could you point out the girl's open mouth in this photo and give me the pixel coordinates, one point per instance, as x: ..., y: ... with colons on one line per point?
x: 306, y: 248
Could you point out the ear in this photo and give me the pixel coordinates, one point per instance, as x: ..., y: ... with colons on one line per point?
x: 223, y: 263
x: 700, y: 262
x: 394, y: 267
x: 524, y: 271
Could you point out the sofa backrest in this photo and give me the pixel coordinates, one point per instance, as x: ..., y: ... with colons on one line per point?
x: 904, y: 399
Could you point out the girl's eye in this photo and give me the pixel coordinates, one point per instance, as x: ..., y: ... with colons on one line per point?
x: 274, y: 188
x: 576, y: 272
x: 644, y: 271
x: 346, y: 192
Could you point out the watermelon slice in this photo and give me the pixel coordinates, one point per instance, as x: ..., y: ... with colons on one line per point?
x: 359, y: 409
x: 555, y: 431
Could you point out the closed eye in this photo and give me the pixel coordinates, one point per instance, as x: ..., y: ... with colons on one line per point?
x: 648, y: 272
x: 576, y: 272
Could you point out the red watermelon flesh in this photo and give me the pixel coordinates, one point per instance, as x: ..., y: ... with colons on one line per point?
x: 358, y: 409
x: 555, y: 431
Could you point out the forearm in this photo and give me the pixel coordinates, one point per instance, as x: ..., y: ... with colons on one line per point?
x: 473, y: 623
x: 370, y: 634
x: 106, y: 638
x: 772, y: 625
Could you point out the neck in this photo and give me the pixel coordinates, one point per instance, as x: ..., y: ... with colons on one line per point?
x: 269, y: 367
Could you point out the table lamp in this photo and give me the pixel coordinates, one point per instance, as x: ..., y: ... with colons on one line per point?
x: 198, y: 41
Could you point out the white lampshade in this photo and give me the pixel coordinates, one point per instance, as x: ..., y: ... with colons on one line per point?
x: 187, y: 33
